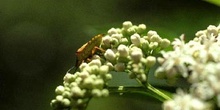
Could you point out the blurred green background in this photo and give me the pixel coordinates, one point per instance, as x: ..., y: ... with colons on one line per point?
x: 38, y: 39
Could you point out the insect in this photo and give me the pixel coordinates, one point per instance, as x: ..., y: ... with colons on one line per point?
x: 86, y: 51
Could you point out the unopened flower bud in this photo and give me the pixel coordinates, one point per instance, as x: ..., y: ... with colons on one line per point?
x: 135, y: 39
x: 136, y: 55
x: 96, y: 93
x: 151, y: 33
x: 110, y: 55
x: 164, y: 43
x: 126, y: 24
x: 105, y: 92
x: 123, y: 50
x: 112, y: 31
x: 155, y: 38
x: 151, y: 60
x: 120, y: 67
x: 66, y: 102
x: 141, y: 28
x: 107, y: 41
x: 59, y: 90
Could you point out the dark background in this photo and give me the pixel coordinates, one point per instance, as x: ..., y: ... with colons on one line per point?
x: 38, y: 39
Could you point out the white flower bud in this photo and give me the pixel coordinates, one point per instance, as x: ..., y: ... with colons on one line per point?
x: 110, y: 65
x: 114, y: 42
x: 136, y: 55
x: 127, y: 24
x: 73, y: 84
x: 151, y: 33
x: 151, y: 60
x: 141, y: 28
x: 131, y: 30
x: 69, y: 77
x: 104, y: 69
x: 145, y: 44
x: 88, y: 82
x: 124, y: 41
x: 107, y: 41
x: 83, y: 74
x: 108, y: 76
x: 155, y: 38
x: 77, y: 92
x: 96, y: 93
x: 112, y: 31
x: 160, y: 60
x: 164, y: 43
x: 110, y: 55
x: 136, y: 39
x: 66, y: 94
x: 98, y: 83
x: 66, y: 102
x: 59, y: 90
x: 83, y: 65
x: 153, y: 45
x: 59, y: 98
x: 117, y: 36
x: 123, y: 50
x: 96, y: 62
x: 105, y: 92
x: 120, y: 67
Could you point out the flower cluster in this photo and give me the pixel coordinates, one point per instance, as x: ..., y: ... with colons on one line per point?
x: 128, y: 49
x: 183, y: 101
x: 79, y: 87
x: 198, y: 61
x: 132, y: 48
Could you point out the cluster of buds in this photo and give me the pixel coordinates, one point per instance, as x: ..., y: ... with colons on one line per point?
x: 128, y: 49
x: 78, y: 88
x: 132, y: 48
x: 198, y: 61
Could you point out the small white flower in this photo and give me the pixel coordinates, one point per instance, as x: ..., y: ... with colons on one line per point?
x: 211, y: 29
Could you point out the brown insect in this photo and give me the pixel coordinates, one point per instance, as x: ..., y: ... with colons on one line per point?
x: 87, y: 51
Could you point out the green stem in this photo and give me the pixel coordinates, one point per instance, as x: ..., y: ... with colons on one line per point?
x: 155, y: 92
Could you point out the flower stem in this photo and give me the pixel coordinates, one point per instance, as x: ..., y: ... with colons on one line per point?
x: 156, y: 93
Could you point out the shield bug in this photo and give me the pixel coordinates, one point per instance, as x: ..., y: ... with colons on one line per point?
x: 86, y: 51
